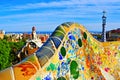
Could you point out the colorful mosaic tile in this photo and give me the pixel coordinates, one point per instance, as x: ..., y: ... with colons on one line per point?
x: 71, y: 53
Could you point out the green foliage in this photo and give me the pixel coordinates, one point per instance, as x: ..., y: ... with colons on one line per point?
x: 8, y: 52
x: 15, y: 47
x: 4, y: 54
x: 99, y: 37
x: 5, y: 37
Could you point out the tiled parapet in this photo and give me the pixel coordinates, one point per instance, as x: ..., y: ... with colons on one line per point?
x: 70, y: 53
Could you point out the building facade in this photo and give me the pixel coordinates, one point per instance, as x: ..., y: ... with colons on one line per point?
x: 2, y: 33
x: 113, y: 35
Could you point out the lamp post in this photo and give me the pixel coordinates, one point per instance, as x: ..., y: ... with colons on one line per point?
x: 103, y: 27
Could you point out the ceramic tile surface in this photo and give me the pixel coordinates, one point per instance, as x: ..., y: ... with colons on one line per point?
x: 71, y: 53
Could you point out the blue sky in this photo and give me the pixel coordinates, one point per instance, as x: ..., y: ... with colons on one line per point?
x: 46, y: 15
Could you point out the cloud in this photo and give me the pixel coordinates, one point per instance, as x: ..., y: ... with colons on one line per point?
x: 71, y: 6
x: 68, y: 3
x: 67, y: 7
x: 98, y: 26
x: 42, y: 5
x: 51, y: 13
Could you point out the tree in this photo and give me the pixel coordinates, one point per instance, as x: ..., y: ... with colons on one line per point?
x: 15, y: 47
x: 4, y: 54
x: 8, y: 53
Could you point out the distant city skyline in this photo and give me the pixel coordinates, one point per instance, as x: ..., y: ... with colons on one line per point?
x: 46, y: 15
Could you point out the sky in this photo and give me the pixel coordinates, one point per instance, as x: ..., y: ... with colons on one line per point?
x: 46, y: 15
